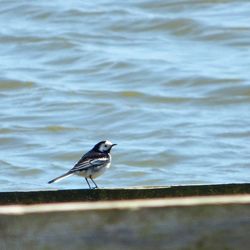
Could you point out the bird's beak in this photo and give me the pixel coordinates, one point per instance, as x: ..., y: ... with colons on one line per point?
x: 114, y: 145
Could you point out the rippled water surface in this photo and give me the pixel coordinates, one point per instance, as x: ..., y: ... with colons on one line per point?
x: 168, y: 81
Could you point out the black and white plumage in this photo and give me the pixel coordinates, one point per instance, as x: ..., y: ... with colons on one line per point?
x: 92, y: 164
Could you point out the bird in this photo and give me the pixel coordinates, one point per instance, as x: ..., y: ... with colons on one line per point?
x: 92, y: 164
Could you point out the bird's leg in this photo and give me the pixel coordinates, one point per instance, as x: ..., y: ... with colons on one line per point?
x: 93, y: 181
x: 88, y: 183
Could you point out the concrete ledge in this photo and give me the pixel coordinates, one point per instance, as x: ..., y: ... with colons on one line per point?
x: 190, y: 223
x: 126, y: 205
x: 76, y: 195
x: 147, y: 218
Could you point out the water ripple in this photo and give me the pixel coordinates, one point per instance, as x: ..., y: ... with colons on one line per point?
x: 167, y: 81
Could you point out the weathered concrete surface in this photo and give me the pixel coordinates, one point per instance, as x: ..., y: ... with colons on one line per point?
x: 219, y: 200
x: 190, y: 223
x: 120, y: 193
x: 117, y: 221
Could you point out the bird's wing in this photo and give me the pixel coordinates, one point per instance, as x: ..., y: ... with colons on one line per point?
x: 90, y: 161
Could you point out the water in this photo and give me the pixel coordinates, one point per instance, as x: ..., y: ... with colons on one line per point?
x: 168, y: 81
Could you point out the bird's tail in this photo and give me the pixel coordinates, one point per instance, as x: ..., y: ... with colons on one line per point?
x: 61, y: 177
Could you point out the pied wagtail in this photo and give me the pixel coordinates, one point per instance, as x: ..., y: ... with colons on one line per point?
x: 92, y: 164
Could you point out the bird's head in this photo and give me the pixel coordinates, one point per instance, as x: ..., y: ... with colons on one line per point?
x: 104, y: 146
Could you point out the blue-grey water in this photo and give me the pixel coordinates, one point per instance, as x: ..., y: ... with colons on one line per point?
x: 168, y: 81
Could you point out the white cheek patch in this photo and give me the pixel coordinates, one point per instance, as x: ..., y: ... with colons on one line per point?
x: 103, y: 148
